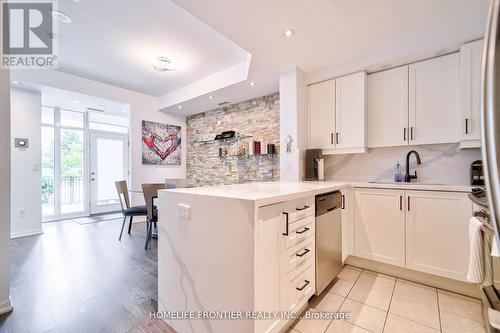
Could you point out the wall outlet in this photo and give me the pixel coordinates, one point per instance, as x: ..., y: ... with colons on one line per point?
x: 183, y: 211
x: 21, y: 212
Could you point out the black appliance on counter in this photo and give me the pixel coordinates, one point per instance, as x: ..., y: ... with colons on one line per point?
x: 314, y: 165
x: 476, y: 173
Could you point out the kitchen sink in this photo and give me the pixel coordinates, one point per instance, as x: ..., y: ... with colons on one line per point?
x: 404, y: 183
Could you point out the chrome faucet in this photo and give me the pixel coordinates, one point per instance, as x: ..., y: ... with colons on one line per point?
x: 409, y: 177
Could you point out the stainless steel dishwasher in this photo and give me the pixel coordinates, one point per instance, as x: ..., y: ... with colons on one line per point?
x: 328, y: 238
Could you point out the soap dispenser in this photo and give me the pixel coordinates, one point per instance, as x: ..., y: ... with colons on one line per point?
x: 398, y: 178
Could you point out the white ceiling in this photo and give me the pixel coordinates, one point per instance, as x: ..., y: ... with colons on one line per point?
x: 79, y: 102
x: 329, y: 33
x: 114, y: 41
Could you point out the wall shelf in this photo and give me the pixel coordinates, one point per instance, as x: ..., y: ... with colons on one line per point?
x: 234, y: 139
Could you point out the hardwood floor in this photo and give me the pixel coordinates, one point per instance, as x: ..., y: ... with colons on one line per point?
x: 79, y: 278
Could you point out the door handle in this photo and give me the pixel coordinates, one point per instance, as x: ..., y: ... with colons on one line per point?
x: 411, y: 133
x: 299, y: 209
x: 343, y: 201
x: 466, y: 125
x: 337, y: 137
x: 331, y: 138
x: 400, y: 202
x: 286, y: 225
x: 404, y: 133
x: 408, y: 203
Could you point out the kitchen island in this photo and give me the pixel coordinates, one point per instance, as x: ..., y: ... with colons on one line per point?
x: 240, y: 258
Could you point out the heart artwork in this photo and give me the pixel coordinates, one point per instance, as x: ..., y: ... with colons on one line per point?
x: 161, y: 143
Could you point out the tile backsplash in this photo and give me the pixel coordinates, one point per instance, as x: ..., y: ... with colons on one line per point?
x: 442, y: 164
x: 257, y: 118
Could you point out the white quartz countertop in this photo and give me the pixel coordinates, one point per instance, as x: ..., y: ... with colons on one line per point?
x: 271, y: 192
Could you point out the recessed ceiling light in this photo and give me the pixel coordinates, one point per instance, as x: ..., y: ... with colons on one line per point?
x: 61, y: 17
x: 253, y: 83
x: 163, y: 64
x: 179, y: 107
x: 15, y: 82
x: 288, y: 33
x: 210, y: 97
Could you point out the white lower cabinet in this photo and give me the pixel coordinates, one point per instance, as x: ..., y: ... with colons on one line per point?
x: 347, y: 223
x: 380, y: 226
x: 284, y: 260
x: 426, y: 231
x: 437, y: 233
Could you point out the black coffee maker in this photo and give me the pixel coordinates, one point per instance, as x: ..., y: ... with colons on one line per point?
x: 476, y: 173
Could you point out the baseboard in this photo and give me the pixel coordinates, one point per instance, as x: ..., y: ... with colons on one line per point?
x: 455, y: 286
x: 5, y: 306
x: 25, y: 233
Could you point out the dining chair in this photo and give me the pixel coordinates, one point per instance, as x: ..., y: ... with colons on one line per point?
x: 150, y: 193
x: 127, y: 211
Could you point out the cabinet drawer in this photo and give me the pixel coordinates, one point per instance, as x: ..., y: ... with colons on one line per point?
x: 298, y: 231
x: 297, y: 255
x: 298, y: 286
x: 300, y: 213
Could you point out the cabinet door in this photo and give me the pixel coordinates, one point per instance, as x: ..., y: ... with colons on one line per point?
x: 434, y: 113
x: 267, y: 263
x: 388, y: 108
x: 380, y: 225
x: 437, y: 233
x: 322, y: 115
x: 350, y: 111
x: 470, y: 91
x: 347, y: 223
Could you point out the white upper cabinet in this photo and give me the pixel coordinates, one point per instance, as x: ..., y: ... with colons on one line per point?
x: 350, y: 112
x: 437, y: 233
x: 322, y: 115
x: 337, y: 114
x: 434, y: 111
x: 470, y: 93
x: 388, y: 108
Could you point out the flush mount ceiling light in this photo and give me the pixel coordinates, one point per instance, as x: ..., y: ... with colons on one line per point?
x: 179, y: 107
x: 162, y: 64
x: 210, y: 97
x: 61, y: 17
x: 288, y: 33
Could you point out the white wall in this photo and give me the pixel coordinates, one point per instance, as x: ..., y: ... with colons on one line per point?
x: 142, y: 107
x: 442, y: 164
x: 293, y: 122
x: 26, y: 193
x: 5, y: 305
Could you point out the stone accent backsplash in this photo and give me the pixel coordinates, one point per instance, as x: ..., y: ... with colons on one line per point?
x: 254, y: 120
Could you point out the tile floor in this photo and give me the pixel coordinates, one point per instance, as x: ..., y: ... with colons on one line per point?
x: 382, y: 303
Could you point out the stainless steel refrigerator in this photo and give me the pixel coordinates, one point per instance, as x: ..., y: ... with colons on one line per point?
x: 490, y: 119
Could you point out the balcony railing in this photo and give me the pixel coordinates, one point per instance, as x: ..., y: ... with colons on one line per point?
x: 72, y: 190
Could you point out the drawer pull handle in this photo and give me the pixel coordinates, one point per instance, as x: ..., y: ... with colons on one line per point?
x: 303, y: 230
x: 306, y: 251
x: 304, y: 286
x: 299, y: 209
